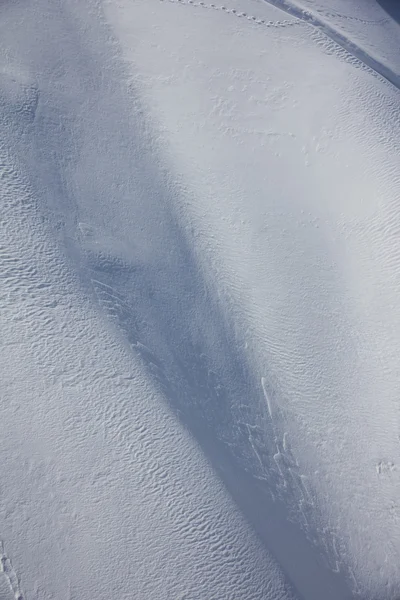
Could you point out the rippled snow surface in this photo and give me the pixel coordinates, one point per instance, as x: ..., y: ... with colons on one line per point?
x: 199, y: 300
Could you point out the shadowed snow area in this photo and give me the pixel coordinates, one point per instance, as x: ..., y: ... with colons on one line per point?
x: 200, y: 268
x: 392, y: 7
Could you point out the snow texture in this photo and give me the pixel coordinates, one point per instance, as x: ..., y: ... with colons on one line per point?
x: 199, y: 282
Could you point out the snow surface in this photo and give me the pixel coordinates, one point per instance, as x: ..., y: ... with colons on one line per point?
x: 369, y: 30
x: 200, y: 326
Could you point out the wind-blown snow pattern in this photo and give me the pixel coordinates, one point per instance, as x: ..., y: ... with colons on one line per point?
x: 200, y: 327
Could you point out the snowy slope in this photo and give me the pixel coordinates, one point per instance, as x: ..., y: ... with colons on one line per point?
x: 367, y: 29
x: 103, y: 493
x: 199, y: 325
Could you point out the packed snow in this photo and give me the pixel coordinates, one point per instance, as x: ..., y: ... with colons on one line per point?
x: 200, y: 326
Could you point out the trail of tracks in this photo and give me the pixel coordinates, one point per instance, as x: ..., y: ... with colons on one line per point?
x: 330, y: 32
x: 305, y: 17
x: 236, y: 13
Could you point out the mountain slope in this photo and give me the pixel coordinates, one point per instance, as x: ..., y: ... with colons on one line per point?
x: 199, y: 264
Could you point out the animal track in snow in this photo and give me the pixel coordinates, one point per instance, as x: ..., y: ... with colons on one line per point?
x: 336, y: 15
x: 353, y: 52
x: 385, y: 467
x: 7, y: 568
x: 237, y: 13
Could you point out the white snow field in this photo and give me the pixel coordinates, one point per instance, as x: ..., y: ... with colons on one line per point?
x: 368, y: 29
x: 199, y: 300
